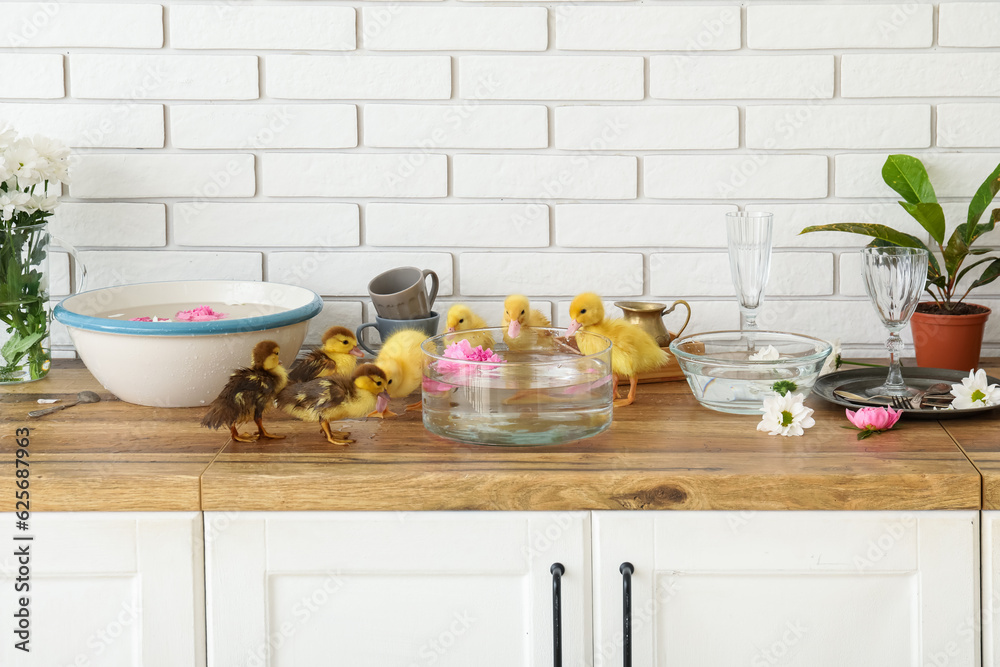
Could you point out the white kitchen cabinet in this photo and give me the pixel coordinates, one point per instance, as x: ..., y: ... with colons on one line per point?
x: 991, y: 589
x: 816, y: 589
x: 395, y: 589
x: 115, y: 589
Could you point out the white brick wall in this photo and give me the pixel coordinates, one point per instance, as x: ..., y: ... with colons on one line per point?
x: 550, y: 77
x: 264, y: 126
x: 90, y: 125
x: 31, y: 75
x: 619, y: 28
x: 969, y: 24
x: 176, y: 77
x: 458, y: 29
x: 62, y: 24
x: 711, y: 77
x: 456, y: 126
x: 358, y: 77
x: 232, y: 26
x: 541, y: 147
x: 809, y: 26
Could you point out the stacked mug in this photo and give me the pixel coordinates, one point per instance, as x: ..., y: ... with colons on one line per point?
x: 402, y: 300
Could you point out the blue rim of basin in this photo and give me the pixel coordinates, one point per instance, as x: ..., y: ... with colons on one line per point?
x: 210, y: 328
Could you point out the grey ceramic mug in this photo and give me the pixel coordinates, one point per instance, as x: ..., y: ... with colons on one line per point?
x: 387, y: 327
x: 401, y: 293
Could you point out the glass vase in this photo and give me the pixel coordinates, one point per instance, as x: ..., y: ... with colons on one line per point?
x: 24, y: 310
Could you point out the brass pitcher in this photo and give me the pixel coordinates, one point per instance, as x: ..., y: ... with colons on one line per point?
x: 649, y: 317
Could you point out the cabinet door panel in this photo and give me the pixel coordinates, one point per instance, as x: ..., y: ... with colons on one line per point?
x: 112, y: 589
x: 822, y: 589
x: 450, y: 589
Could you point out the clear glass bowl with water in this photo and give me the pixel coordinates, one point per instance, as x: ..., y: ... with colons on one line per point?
x: 544, y: 392
x: 723, y: 377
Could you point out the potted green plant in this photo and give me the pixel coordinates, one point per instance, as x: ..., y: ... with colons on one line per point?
x: 947, y: 331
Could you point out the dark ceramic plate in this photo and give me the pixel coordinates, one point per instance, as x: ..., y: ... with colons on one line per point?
x: 920, y: 378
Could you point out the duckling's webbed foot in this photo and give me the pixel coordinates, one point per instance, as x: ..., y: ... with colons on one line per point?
x: 331, y: 436
x: 414, y: 407
x: 241, y: 437
x: 381, y: 415
x: 628, y: 400
x: 262, y: 432
x: 614, y: 385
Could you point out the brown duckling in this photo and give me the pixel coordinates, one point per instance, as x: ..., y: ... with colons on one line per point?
x: 336, y: 397
x: 248, y: 392
x: 338, y: 355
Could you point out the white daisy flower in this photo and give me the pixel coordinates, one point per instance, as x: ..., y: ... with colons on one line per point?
x: 785, y: 415
x: 974, y: 392
x: 12, y: 202
x: 26, y: 163
x: 767, y: 354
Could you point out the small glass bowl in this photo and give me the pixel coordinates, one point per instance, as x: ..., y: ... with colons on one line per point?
x: 722, y: 376
x: 545, y: 393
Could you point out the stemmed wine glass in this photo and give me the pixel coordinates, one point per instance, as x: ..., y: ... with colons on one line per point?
x: 894, y: 279
x: 749, y: 236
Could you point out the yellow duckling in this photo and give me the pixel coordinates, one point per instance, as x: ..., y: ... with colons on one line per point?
x: 461, y: 318
x: 338, y: 355
x: 403, y: 363
x: 336, y: 397
x: 518, y: 316
x: 633, y: 351
x: 248, y: 392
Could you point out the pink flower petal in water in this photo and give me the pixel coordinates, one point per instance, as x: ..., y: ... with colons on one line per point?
x: 463, y: 351
x: 141, y: 319
x: 199, y: 314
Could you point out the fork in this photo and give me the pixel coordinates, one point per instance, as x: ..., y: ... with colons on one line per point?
x: 903, y: 402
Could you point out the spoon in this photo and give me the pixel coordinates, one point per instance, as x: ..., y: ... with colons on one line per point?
x: 82, y: 397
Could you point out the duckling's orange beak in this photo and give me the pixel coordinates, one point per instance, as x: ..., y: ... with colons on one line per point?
x: 574, y: 326
x: 382, y: 401
x: 356, y: 352
x: 451, y: 329
x: 514, y: 330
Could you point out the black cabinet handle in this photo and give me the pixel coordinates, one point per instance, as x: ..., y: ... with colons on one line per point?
x: 557, y: 571
x: 626, y: 569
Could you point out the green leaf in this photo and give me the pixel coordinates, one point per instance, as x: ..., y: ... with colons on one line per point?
x: 16, y: 347
x: 981, y: 200
x: 907, y: 176
x: 882, y: 235
x: 873, y: 230
x: 964, y: 271
x: 930, y: 216
x: 956, y: 251
x: 991, y: 273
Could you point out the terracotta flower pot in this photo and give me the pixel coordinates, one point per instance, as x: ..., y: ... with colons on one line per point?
x: 948, y: 341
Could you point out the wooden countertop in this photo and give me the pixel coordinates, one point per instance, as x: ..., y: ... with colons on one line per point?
x: 980, y: 440
x: 664, y: 452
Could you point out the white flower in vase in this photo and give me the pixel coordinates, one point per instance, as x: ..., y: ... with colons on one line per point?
x: 974, y: 392
x: 785, y: 415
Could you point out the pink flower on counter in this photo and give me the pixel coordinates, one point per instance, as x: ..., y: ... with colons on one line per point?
x: 199, y: 314
x: 873, y: 420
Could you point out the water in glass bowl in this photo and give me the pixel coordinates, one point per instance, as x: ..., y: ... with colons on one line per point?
x: 545, y: 395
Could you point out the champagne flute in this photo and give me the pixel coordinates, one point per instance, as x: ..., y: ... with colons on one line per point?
x: 749, y: 236
x: 894, y: 280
